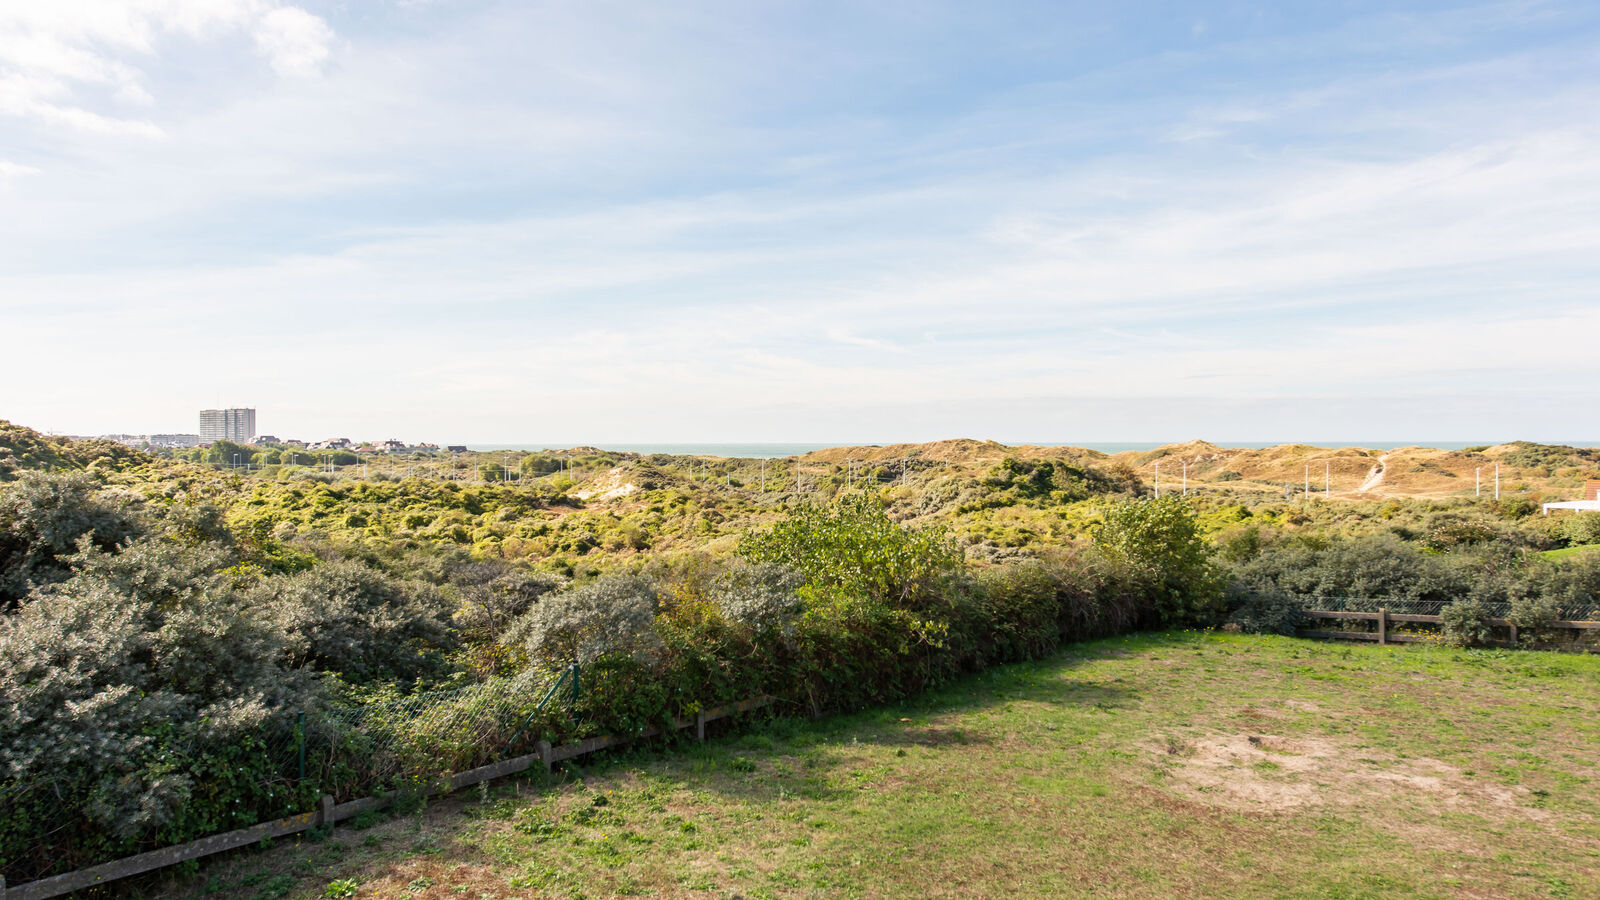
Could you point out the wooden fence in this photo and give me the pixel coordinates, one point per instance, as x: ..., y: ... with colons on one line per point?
x: 1384, y: 619
x: 328, y: 812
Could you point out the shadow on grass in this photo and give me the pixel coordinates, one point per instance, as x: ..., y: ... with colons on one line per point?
x: 758, y: 758
x: 753, y: 758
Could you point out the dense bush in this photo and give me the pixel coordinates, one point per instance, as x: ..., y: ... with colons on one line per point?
x: 1573, y: 585
x: 761, y: 597
x: 1465, y: 623
x: 1454, y: 529
x: 135, y: 698
x: 1583, y: 528
x: 1374, y: 568
x: 1533, y: 616
x: 151, y: 676
x: 1046, y: 481
x: 1160, y: 541
x: 346, y: 618
x: 854, y: 550
x: 614, y: 616
x: 42, y: 520
x: 1383, y: 571
x: 1267, y: 613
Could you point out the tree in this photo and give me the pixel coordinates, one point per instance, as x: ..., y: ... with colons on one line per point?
x: 1159, y: 540
x: 223, y: 453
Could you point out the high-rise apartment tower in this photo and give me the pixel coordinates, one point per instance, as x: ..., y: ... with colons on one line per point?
x: 237, y: 425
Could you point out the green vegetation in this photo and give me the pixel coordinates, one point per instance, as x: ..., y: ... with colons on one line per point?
x: 1179, y: 764
x: 173, y: 628
x: 1160, y: 540
x: 1568, y: 552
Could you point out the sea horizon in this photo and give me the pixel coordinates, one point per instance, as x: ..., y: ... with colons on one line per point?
x: 781, y: 449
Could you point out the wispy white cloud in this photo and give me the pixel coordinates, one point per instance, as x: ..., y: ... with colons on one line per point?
x: 57, y: 57
x: 13, y: 170
x: 296, y: 42
x: 696, y: 227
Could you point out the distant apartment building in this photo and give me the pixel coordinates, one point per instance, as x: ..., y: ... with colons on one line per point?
x: 237, y: 425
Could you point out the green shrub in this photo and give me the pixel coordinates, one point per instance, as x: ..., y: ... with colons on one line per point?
x: 43, y: 517
x: 1465, y: 623
x: 1267, y: 614
x: 761, y: 597
x: 1376, y: 569
x: 136, y: 702
x: 612, y: 616
x: 1160, y: 540
x: 854, y: 549
x: 367, y: 626
x: 1533, y: 617
x: 1582, y: 528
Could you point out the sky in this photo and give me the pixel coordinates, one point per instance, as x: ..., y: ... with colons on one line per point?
x: 617, y: 221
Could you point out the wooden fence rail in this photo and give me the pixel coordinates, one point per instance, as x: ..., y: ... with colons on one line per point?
x: 1384, y: 636
x: 328, y: 812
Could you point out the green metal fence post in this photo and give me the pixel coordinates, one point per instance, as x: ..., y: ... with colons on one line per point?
x: 300, y: 741
x: 565, y: 674
x: 575, y: 694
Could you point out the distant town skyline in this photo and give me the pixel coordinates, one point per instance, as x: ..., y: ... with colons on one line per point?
x: 718, y: 222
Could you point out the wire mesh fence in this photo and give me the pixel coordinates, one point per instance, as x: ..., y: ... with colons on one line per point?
x: 54, y: 824
x: 1577, y: 611
x: 355, y: 751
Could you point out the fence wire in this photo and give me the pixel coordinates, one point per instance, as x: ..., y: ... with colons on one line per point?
x: 351, y: 752
x: 284, y: 765
x: 1583, y: 612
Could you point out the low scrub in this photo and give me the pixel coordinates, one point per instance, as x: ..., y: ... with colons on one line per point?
x: 153, y: 693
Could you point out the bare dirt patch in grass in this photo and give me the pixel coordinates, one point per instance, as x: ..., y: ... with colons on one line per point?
x: 1269, y: 773
x: 1085, y: 776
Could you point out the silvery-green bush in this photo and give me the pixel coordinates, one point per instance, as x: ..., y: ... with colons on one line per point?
x: 490, y: 597
x: 614, y: 615
x: 123, y: 689
x: 43, y: 517
x: 347, y: 618
x: 760, y: 596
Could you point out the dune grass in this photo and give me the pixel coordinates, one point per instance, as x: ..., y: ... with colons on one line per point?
x: 1168, y: 765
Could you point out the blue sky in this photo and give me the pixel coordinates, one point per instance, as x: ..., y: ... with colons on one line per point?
x: 621, y: 221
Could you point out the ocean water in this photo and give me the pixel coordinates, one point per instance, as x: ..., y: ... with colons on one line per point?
x: 777, y: 450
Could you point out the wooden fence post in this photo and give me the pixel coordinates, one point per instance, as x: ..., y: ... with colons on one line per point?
x: 700, y: 726
x: 1383, y: 625
x: 1513, y: 633
x: 325, y: 812
x: 544, y: 755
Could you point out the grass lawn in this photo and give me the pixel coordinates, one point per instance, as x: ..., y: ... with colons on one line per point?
x: 1567, y: 552
x: 1160, y: 766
